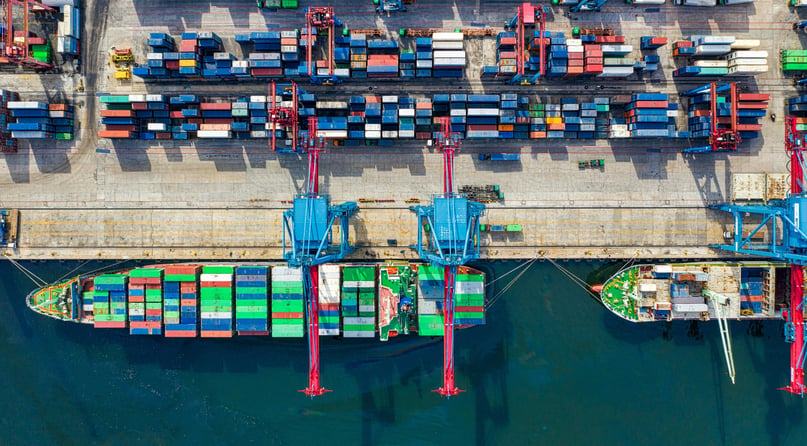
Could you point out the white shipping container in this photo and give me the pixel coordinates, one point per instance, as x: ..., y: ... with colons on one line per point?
x: 427, y: 306
x: 372, y: 134
x: 423, y: 63
x: 735, y: 62
x: 25, y: 104
x: 712, y: 50
x: 214, y: 134
x: 217, y: 315
x: 286, y: 274
x: 575, y: 49
x: 745, y: 44
x: 453, y: 63
x: 366, y: 308
x: 458, y: 112
x: 155, y: 98
x: 359, y: 334
x: 333, y: 134
x: 672, y: 113
x: 341, y: 72
x: 448, y: 55
x: 712, y: 63
x: 87, y: 307
x: 448, y: 45
x: 329, y: 278
x: 328, y: 331
x: 389, y: 99
x: 716, y: 40
x: 372, y: 127
x: 690, y: 308
x: 748, y: 69
x: 331, y: 105
x: 136, y: 312
x: 406, y: 112
x: 215, y: 277
x: 58, y: 3
x: 406, y: 134
x: 616, y: 49
x: 436, y: 37
x: 469, y: 288
x: 60, y: 44
x: 156, y: 126
x: 241, y: 63
x: 748, y: 54
x: 289, y: 34
x: 257, y: 99
x: 483, y: 112
x: 704, y: 3
x: 359, y: 320
x: 647, y: 287
x: 258, y: 134
x: 137, y: 98
x: 389, y: 134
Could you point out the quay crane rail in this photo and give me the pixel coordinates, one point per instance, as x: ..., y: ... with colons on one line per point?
x: 453, y: 233
x: 309, y: 228
x: 789, y: 217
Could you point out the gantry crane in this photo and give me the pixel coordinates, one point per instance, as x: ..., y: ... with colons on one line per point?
x: 308, y: 225
x: 452, y: 225
x: 723, y: 137
x: 790, y: 217
x: 18, y: 52
x: 284, y: 115
x: 323, y: 20
x: 527, y: 15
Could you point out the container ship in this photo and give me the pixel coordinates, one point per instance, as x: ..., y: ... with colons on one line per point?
x: 689, y: 291
x: 217, y: 300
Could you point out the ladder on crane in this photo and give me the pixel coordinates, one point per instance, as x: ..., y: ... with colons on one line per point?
x: 720, y: 302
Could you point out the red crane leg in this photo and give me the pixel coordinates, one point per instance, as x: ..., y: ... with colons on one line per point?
x: 314, y: 388
x: 797, y: 317
x: 448, y: 388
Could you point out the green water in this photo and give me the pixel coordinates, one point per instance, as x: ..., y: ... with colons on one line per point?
x: 551, y: 367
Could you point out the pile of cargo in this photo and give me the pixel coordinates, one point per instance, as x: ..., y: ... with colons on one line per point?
x: 650, y: 115
x: 382, y: 58
x: 69, y: 31
x: 216, y: 301
x: 601, y: 56
x: 423, y: 57
x: 109, y: 301
x: 39, y: 120
x: 329, y: 299
x: 798, y: 107
x: 569, y: 119
x: 180, y: 300
x: 752, y: 291
x: 287, y: 302
x: 358, y: 55
x: 251, y: 310
x: 794, y: 60
x: 184, y: 117
x: 358, y: 302
x: 724, y: 55
x: 197, y: 56
x: 751, y: 107
x: 448, y: 54
x: 145, y: 301
x: 505, y: 56
x: 469, y: 299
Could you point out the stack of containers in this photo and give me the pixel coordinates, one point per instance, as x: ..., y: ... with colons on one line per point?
x: 482, y: 116
x: 358, y: 302
x: 39, y: 48
x: 356, y: 122
x: 751, y: 291
x: 592, y: 51
x: 217, y: 120
x: 289, y: 53
x: 794, y: 60
x: 616, y: 60
x: 652, y: 42
x: 683, y: 48
x: 505, y: 56
x: 31, y: 120
x: 407, y: 64
x: 745, y: 62
x: 389, y: 117
x: 329, y: 299
x: 306, y: 40
x: 576, y: 62
x: 537, y: 117
x: 555, y: 127
x: 798, y: 107
x: 509, y: 126
x: 430, y: 301
x: 217, y: 301
x: 712, y: 45
x: 423, y: 118
x: 109, y: 301
x: 180, y: 286
x: 382, y: 58
x: 534, y: 62
x: 69, y: 31
x: 251, y: 292
x: 423, y: 53
x: 469, y: 297
x: 341, y: 57
x: 448, y: 50
x: 372, y: 118
x: 647, y: 116
x: 7, y: 143
x: 118, y: 118
x: 152, y: 109
x: 61, y: 116
x: 208, y: 43
x: 287, y: 302
x: 406, y: 117
x: 358, y: 55
x: 751, y: 107
x: 558, y: 58
x: 145, y: 301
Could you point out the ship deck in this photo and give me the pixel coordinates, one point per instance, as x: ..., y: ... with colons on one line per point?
x: 90, y: 198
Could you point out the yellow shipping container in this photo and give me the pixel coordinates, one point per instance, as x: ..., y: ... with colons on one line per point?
x: 556, y: 120
x: 187, y: 63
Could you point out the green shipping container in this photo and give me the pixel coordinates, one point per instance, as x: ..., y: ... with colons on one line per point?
x: 287, y: 322
x: 218, y: 269
x: 359, y: 328
x: 146, y: 272
x: 180, y: 278
x: 115, y: 99
x: 64, y: 136
x: 288, y: 4
x: 430, y: 325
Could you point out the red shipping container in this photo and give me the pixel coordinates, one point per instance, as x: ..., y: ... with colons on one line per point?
x: 187, y: 302
x: 182, y: 269
x: 507, y: 41
x: 218, y: 121
x: 114, y: 134
x: 722, y: 120
x: 172, y: 64
x: 121, y: 127
x: 140, y: 106
x: 507, y: 55
x: 590, y: 69
x: 575, y: 63
x: 176, y: 114
x: 116, y: 113
x: 137, y: 298
x: 153, y: 283
x: 329, y: 306
x: 576, y: 56
x: 683, y: 44
x: 111, y: 324
x: 215, y: 106
x: 658, y: 41
x: 481, y: 127
x: 154, y: 312
x: 266, y: 71
x: 216, y: 284
x: 701, y: 113
x: 594, y: 61
x: 216, y: 334
x: 556, y: 126
x: 253, y: 333
x: 572, y: 71
x: 651, y: 104
x: 749, y: 127
x: 180, y: 333
x: 754, y: 97
x: 287, y: 315
x: 469, y: 309
x: 195, y: 120
x: 752, y: 105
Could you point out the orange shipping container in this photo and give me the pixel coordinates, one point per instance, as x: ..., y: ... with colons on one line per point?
x: 114, y: 134
x: 116, y: 113
x: 505, y: 127
x: 537, y: 135
x: 556, y: 126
